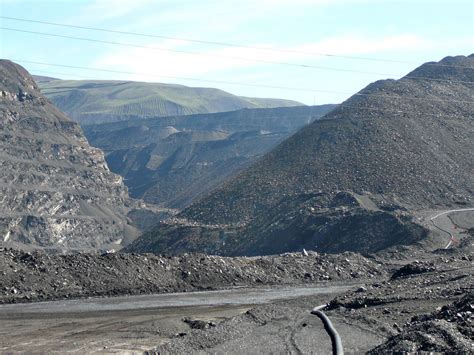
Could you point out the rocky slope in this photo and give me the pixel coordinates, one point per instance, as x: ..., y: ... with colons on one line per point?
x: 172, y: 160
x: 55, y: 189
x: 35, y: 276
x: 396, y: 145
x: 447, y: 330
x: 410, y: 138
x: 422, y: 312
x: 98, y: 101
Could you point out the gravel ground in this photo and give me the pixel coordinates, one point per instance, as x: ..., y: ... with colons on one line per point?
x: 285, y: 327
x: 423, y: 306
x: 397, y: 305
x: 449, y: 329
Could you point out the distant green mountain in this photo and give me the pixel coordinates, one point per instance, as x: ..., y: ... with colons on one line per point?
x: 99, y: 101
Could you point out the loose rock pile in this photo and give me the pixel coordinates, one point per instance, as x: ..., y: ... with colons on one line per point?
x: 447, y: 330
x: 33, y: 276
x: 435, y: 279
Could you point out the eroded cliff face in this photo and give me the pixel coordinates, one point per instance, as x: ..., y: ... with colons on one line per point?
x: 55, y: 189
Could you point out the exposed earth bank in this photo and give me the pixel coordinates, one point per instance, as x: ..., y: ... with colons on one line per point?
x: 425, y: 305
x: 37, y: 276
x: 404, y: 304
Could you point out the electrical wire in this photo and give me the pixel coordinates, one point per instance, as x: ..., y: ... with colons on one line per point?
x: 339, y: 106
x: 224, y: 56
x: 180, y: 77
x: 187, y: 52
x: 225, y: 44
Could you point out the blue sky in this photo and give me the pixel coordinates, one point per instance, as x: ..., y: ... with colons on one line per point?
x: 409, y: 31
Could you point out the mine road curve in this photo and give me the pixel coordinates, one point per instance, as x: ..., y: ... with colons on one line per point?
x: 446, y: 224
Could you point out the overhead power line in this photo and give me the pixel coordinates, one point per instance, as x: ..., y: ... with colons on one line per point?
x: 340, y: 106
x: 221, y: 56
x: 188, y: 52
x: 243, y: 83
x: 178, y: 77
x: 223, y: 44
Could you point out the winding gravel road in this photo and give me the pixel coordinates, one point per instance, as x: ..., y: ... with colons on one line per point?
x: 445, y: 224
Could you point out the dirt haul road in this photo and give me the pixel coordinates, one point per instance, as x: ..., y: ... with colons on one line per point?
x: 140, y: 323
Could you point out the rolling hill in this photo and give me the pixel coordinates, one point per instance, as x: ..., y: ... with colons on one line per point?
x: 98, y: 101
x: 349, y: 180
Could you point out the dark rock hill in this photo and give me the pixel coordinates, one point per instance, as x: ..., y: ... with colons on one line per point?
x: 329, y: 222
x: 55, y: 189
x: 172, y: 160
x: 396, y: 145
x: 411, y: 138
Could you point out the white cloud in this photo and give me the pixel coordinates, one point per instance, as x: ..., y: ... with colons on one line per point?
x: 141, y: 60
x: 356, y: 44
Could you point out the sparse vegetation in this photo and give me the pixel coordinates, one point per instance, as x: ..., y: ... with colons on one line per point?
x: 96, y: 101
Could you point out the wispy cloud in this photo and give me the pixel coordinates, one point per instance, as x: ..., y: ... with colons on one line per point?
x: 355, y: 44
x: 224, y: 59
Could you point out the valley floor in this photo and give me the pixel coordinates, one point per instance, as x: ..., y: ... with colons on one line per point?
x: 405, y: 299
x: 138, y: 323
x: 425, y: 304
x: 411, y: 310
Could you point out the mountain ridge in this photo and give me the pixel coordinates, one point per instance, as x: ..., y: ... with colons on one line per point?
x: 170, y: 161
x: 395, y: 147
x: 360, y: 108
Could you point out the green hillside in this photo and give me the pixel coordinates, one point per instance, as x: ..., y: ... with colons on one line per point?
x: 99, y: 101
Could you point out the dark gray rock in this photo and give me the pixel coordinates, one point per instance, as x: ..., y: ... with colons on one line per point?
x: 171, y: 161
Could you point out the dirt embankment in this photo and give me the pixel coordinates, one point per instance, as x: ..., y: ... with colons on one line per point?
x: 424, y: 305
x: 37, y: 276
x: 448, y: 329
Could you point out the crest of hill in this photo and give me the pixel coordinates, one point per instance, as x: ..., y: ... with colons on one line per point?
x: 411, y: 139
x: 99, y: 101
x: 42, y: 78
